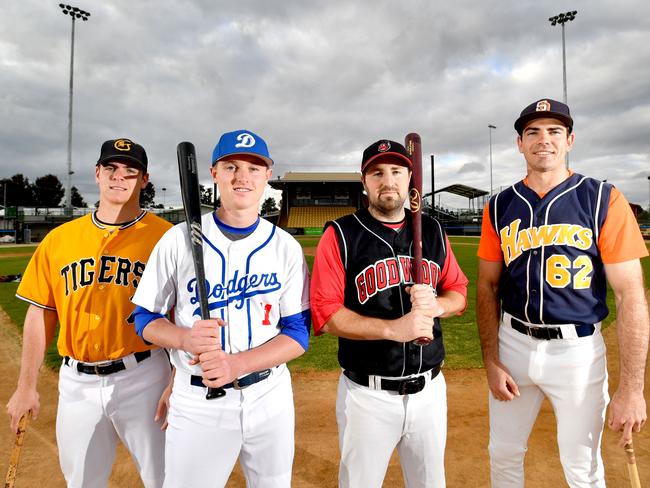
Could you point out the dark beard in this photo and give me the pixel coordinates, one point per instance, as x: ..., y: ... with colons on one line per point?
x: 389, y: 209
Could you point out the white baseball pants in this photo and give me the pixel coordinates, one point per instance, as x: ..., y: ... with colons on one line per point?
x: 205, y: 437
x: 572, y: 374
x: 373, y: 422
x: 95, y: 411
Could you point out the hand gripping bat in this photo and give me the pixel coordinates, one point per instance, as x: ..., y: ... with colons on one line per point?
x: 192, y: 205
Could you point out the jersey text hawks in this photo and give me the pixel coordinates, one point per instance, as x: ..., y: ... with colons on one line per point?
x: 514, y: 241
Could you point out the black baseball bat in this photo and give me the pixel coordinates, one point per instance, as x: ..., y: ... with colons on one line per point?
x: 192, y: 204
x: 413, y: 145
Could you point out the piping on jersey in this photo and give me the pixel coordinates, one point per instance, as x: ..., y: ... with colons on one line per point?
x: 401, y: 302
x: 248, y: 302
x: 541, y: 271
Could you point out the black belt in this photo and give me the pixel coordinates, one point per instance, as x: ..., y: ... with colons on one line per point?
x: 403, y: 387
x: 107, y: 367
x: 239, y: 383
x: 548, y: 333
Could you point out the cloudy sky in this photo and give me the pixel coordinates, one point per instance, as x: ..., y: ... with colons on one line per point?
x: 321, y: 80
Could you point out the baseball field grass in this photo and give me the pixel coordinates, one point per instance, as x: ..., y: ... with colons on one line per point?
x: 460, y: 333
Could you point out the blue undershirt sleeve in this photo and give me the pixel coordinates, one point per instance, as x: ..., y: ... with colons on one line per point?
x: 297, y: 327
x: 142, y: 317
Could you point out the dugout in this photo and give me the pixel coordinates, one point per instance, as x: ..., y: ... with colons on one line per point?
x: 311, y: 199
x: 466, y: 221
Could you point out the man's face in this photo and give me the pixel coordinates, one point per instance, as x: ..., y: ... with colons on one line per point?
x: 386, y: 184
x: 241, y: 181
x: 545, y: 143
x: 120, y: 182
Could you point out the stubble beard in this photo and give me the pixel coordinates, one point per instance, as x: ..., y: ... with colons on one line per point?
x: 389, y: 210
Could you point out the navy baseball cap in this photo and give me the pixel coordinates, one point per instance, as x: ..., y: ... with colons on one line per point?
x: 241, y: 142
x: 544, y: 109
x: 123, y: 150
x: 383, y: 148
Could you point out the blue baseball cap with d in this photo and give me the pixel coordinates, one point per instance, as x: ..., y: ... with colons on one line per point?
x: 241, y: 142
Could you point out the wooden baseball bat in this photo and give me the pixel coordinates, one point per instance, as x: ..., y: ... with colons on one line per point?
x: 631, y: 465
x: 15, y: 454
x: 192, y: 204
x: 413, y: 145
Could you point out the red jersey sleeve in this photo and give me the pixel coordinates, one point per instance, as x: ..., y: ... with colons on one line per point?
x: 452, y: 277
x: 327, y: 290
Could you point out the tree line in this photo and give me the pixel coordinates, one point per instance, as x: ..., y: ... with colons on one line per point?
x: 48, y: 192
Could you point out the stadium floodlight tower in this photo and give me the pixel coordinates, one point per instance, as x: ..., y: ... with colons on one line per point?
x: 74, y: 13
x: 490, y: 127
x: 563, y: 19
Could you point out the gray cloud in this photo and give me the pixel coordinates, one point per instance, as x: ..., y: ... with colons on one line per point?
x: 322, y: 80
x: 471, y: 168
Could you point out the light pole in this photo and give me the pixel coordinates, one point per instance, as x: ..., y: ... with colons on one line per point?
x: 74, y: 13
x: 563, y: 19
x: 164, y: 190
x: 490, y: 127
x: 648, y: 194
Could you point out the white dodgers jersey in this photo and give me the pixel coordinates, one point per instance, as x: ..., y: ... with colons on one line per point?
x: 251, y: 283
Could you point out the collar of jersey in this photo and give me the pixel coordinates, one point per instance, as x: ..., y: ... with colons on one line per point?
x: 122, y: 225
x: 235, y: 230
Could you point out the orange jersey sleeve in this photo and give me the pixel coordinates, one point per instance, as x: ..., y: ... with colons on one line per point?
x: 489, y: 247
x: 620, y: 238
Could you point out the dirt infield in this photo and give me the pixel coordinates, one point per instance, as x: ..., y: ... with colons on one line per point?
x: 316, y: 461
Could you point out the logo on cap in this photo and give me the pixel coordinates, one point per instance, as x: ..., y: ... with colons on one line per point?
x: 245, y: 140
x: 383, y: 147
x: 543, y: 106
x: 122, y: 145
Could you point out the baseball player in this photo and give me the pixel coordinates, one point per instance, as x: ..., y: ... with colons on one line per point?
x: 549, y: 244
x: 391, y: 392
x: 83, y: 274
x: 258, y: 292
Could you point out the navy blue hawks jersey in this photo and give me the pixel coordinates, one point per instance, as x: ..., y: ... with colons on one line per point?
x: 553, y: 270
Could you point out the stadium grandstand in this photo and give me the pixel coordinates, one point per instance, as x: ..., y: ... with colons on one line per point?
x: 309, y: 200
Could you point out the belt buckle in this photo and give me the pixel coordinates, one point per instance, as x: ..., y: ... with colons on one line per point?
x: 236, y: 386
x: 410, y: 386
x: 103, y: 364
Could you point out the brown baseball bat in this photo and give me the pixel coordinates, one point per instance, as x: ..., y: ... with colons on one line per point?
x: 631, y: 465
x: 15, y: 454
x: 413, y: 145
